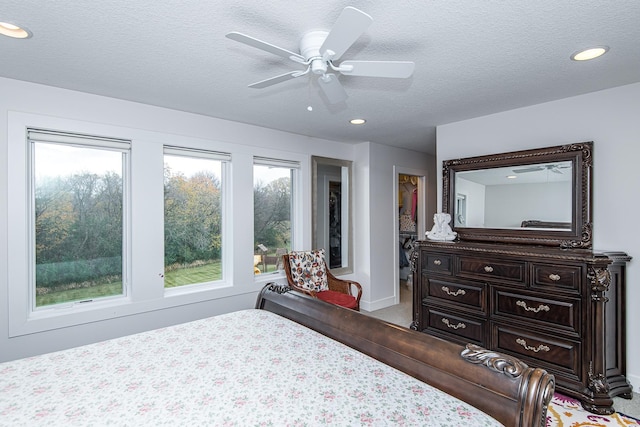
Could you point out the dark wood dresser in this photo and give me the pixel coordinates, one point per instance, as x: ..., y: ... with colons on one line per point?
x: 557, y: 309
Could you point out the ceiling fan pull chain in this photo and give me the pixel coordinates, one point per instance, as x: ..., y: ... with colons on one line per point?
x: 309, y: 107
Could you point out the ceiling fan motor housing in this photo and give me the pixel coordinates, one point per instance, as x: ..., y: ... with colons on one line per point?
x: 310, y: 48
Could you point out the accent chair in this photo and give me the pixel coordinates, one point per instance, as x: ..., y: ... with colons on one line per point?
x: 307, y: 272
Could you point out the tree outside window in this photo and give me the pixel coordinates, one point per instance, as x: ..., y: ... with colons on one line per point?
x: 78, y: 218
x: 272, y: 195
x: 192, y: 219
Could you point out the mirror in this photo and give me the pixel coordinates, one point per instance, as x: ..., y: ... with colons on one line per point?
x: 539, y: 196
x: 331, y: 207
x: 541, y: 191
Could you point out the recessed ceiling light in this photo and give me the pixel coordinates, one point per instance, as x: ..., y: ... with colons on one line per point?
x: 590, y: 53
x: 357, y: 121
x: 14, y: 31
x: 511, y: 177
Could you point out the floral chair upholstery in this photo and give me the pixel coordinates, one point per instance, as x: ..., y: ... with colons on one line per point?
x: 307, y: 272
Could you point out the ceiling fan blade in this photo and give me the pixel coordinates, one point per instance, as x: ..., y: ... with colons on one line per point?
x: 277, y: 79
x: 332, y: 88
x: 533, y: 169
x: 347, y: 29
x: 268, y: 47
x: 392, y: 69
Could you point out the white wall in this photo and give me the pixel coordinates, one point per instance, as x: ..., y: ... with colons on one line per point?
x: 373, y: 187
x: 609, y: 118
x: 376, y: 217
x: 475, y: 195
x: 509, y: 205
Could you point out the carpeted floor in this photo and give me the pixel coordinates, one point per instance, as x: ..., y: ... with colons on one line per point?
x: 400, y: 314
x: 564, y: 411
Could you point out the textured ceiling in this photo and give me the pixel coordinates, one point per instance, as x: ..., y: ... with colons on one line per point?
x: 472, y: 58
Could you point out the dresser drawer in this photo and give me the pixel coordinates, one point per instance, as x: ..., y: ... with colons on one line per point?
x: 564, y: 314
x: 437, y: 263
x: 492, y: 269
x: 529, y: 345
x: 467, y: 293
x: 457, y: 327
x: 557, y: 276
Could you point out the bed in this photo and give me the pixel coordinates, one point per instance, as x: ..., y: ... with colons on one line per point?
x: 293, y: 360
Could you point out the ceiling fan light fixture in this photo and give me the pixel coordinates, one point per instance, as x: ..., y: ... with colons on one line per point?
x: 15, y: 31
x: 590, y: 53
x: 357, y: 121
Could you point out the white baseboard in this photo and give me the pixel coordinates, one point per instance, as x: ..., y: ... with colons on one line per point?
x: 377, y: 305
x: 635, y: 382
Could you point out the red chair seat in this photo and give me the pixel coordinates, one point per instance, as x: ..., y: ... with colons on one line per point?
x: 338, y: 298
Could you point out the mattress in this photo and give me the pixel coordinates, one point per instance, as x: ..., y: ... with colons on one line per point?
x: 249, y: 367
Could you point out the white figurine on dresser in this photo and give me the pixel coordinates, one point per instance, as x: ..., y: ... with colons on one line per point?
x: 441, y: 230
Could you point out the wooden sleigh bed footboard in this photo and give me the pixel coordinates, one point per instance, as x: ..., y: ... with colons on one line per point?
x: 497, y: 384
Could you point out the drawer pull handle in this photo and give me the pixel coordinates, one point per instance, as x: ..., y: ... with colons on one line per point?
x: 437, y: 262
x: 453, y: 294
x: 449, y: 325
x: 554, y: 277
x: 541, y: 307
x: 488, y: 268
x: 541, y: 347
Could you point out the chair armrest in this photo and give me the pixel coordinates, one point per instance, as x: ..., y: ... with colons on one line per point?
x: 344, y: 286
x: 359, y: 288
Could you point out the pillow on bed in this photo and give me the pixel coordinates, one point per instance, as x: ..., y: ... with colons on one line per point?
x: 308, y: 270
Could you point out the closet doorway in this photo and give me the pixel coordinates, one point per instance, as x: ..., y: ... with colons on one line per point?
x: 410, y: 224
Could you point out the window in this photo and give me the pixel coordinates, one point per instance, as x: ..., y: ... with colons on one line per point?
x: 273, y: 190
x: 193, y: 223
x: 105, y: 227
x: 78, y: 200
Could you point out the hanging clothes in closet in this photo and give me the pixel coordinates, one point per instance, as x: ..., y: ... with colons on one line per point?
x: 408, y: 215
x: 408, y: 203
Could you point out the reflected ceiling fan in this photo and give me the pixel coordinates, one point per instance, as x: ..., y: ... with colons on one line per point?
x: 555, y: 168
x: 319, y: 50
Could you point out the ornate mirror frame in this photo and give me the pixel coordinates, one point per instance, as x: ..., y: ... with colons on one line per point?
x: 579, y: 236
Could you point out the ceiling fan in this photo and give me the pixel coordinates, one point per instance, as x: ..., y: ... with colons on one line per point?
x: 319, y: 50
x: 555, y: 168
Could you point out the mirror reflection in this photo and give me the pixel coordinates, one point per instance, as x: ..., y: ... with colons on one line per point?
x: 527, y: 196
x: 331, y: 211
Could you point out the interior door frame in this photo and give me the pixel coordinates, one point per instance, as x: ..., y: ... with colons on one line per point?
x: 421, y: 217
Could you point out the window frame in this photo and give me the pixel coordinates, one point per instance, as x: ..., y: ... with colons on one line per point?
x: 225, y: 188
x: 23, y: 317
x: 296, y: 214
x: 44, y: 136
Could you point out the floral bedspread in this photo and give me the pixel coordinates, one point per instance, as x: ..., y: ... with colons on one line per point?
x: 250, y: 368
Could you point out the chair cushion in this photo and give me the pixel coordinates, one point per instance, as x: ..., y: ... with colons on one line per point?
x: 338, y: 298
x: 308, y: 270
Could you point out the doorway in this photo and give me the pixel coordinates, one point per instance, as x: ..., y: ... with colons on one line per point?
x: 410, y: 211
